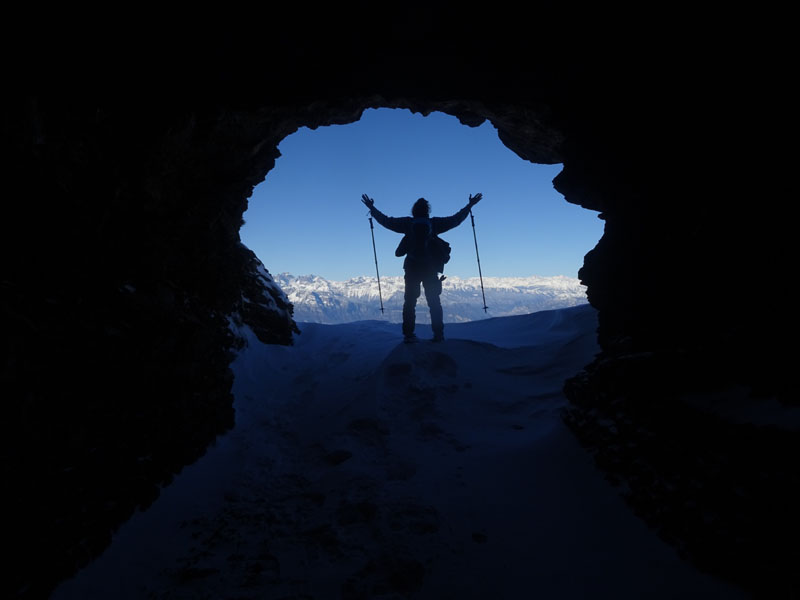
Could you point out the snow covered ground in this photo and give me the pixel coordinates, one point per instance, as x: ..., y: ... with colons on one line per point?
x: 364, y: 468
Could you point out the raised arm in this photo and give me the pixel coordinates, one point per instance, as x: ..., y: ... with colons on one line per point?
x: 396, y: 224
x: 442, y: 224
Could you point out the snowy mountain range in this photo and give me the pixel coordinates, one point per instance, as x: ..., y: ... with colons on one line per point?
x: 318, y: 300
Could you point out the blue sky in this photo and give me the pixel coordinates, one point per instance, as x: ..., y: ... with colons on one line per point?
x: 306, y: 217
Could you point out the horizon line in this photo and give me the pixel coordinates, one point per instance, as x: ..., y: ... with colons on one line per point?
x: 445, y: 274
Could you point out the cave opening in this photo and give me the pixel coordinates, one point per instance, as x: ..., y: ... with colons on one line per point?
x: 111, y: 156
x: 524, y: 228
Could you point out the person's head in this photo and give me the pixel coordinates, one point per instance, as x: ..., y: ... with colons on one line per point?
x: 421, y: 208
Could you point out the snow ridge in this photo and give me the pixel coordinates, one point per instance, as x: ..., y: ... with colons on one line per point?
x: 319, y: 300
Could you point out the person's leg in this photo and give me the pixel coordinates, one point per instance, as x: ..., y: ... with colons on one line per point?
x: 433, y: 291
x: 412, y: 292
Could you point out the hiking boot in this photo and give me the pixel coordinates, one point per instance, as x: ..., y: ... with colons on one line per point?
x: 438, y: 337
x: 410, y: 338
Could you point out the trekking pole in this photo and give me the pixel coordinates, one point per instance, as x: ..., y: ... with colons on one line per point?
x: 375, y: 254
x: 475, y: 237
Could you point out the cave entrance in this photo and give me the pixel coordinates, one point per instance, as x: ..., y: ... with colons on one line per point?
x: 524, y: 227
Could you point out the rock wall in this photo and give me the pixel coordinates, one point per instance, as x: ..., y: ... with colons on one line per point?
x: 122, y: 266
x: 131, y: 152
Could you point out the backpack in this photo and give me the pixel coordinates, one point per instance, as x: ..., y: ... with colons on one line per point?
x: 421, y: 246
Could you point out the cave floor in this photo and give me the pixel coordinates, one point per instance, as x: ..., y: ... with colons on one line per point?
x: 361, y: 467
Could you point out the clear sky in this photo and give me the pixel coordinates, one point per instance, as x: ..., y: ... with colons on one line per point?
x: 306, y: 217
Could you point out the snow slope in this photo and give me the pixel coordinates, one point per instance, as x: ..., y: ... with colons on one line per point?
x: 361, y: 468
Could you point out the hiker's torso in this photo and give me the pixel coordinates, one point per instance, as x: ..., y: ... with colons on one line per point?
x: 418, y: 251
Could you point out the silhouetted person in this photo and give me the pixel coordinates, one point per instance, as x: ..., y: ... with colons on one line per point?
x: 421, y: 268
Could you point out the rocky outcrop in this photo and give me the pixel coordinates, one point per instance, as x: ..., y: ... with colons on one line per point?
x: 264, y: 307
x: 131, y: 153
